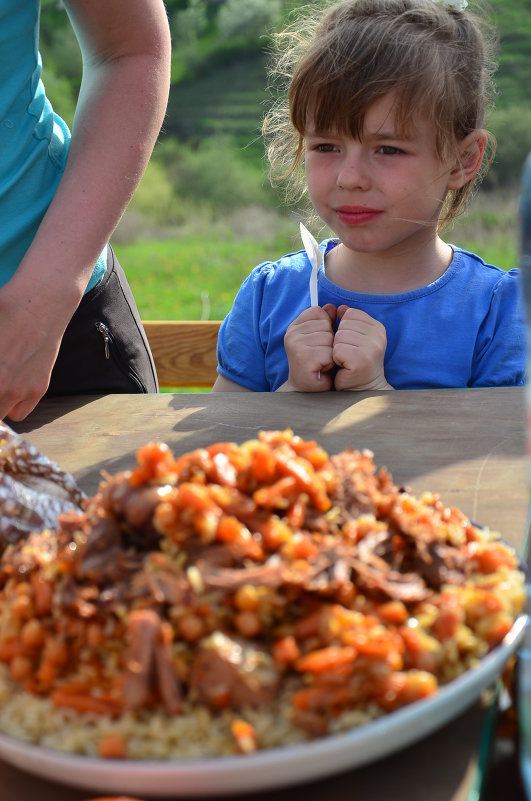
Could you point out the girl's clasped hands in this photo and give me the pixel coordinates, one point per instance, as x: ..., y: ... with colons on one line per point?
x: 341, y: 348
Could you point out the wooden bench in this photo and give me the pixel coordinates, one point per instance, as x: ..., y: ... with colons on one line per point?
x: 184, y: 351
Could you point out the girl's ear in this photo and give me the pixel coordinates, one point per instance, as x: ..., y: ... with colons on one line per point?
x: 471, y: 152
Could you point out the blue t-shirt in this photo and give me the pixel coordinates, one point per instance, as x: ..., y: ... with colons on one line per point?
x: 466, y: 329
x: 34, y: 141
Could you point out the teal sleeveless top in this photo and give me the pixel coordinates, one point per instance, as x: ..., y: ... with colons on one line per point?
x: 34, y: 140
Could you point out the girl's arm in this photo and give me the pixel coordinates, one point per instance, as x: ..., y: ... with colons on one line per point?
x: 223, y: 384
x: 501, y: 347
x: 125, y: 46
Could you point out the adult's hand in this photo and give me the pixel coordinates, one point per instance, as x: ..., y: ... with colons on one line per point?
x: 30, y: 333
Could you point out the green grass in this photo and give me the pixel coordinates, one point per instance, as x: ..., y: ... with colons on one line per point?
x: 192, y: 277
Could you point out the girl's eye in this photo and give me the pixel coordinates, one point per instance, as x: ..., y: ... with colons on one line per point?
x: 389, y: 150
x: 325, y: 147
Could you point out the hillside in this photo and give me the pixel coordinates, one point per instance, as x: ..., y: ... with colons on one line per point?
x: 513, y: 79
x: 229, y: 72
x: 219, y: 72
x: 226, y: 92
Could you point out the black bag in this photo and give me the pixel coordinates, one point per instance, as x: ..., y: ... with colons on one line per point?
x: 105, y: 349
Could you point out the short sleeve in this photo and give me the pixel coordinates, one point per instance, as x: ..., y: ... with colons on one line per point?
x: 241, y: 356
x: 500, y: 354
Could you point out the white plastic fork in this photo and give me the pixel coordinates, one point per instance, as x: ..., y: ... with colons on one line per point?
x: 313, y: 252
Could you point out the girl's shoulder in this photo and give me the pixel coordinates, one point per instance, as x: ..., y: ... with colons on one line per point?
x: 470, y: 266
x: 290, y: 267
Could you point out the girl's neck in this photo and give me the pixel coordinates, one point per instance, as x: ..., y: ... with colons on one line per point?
x: 388, y: 272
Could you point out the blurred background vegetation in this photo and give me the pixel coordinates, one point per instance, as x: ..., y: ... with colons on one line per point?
x: 204, y: 213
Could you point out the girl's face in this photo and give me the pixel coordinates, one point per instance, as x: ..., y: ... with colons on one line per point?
x: 384, y: 192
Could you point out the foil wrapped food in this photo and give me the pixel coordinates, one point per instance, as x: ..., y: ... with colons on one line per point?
x: 34, y: 490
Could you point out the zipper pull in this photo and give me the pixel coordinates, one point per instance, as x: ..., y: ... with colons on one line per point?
x: 104, y: 331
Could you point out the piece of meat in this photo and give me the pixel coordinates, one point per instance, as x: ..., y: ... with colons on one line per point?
x: 144, y: 630
x: 148, y: 665
x: 229, y: 672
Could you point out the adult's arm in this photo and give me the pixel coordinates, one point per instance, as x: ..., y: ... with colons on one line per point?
x: 125, y: 46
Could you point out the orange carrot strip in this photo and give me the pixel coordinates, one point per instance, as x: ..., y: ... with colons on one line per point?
x: 285, y: 650
x: 245, y: 736
x: 325, y: 659
x: 321, y: 697
x: 112, y: 746
x: 85, y: 703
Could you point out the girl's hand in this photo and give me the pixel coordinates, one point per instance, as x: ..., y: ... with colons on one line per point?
x: 359, y: 350
x: 308, y: 342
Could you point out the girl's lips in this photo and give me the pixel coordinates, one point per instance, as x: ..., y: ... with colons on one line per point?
x: 356, y: 215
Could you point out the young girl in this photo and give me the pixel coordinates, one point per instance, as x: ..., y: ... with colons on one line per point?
x: 384, y: 116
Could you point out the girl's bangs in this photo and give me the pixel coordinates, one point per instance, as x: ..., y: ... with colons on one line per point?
x: 340, y: 106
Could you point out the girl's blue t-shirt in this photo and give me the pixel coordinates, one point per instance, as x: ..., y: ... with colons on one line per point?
x: 466, y: 329
x: 34, y: 141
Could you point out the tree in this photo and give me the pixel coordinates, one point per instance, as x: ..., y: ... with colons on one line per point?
x: 248, y: 17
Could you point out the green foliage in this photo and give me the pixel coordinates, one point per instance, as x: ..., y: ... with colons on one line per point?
x: 513, y: 79
x: 62, y: 53
x: 248, y: 17
x: 512, y: 128
x: 227, y: 98
x: 155, y: 199
x: 190, y: 22
x: 215, y: 173
x: 61, y: 60
x: 489, y: 228
x: 60, y: 95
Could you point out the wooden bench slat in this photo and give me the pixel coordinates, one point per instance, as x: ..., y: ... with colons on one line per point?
x: 184, y: 351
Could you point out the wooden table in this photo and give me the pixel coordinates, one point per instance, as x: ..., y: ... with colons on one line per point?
x: 468, y: 445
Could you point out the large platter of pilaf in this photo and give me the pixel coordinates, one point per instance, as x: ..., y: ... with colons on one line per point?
x: 245, y: 617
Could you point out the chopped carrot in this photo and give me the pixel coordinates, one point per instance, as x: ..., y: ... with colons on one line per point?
x: 154, y: 459
x: 322, y: 696
x: 276, y: 495
x: 42, y: 594
x: 21, y: 668
x: 85, y: 703
x: 489, y: 558
x: 375, y: 645
x: 393, y: 612
x: 302, y: 547
x: 32, y: 635
x: 325, y: 659
x: 9, y: 648
x: 112, y: 746
x: 245, y: 736
x: 285, y: 650
x: 297, y: 512
x: 401, y: 688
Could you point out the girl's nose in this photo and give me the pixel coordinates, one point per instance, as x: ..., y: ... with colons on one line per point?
x: 353, y: 173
